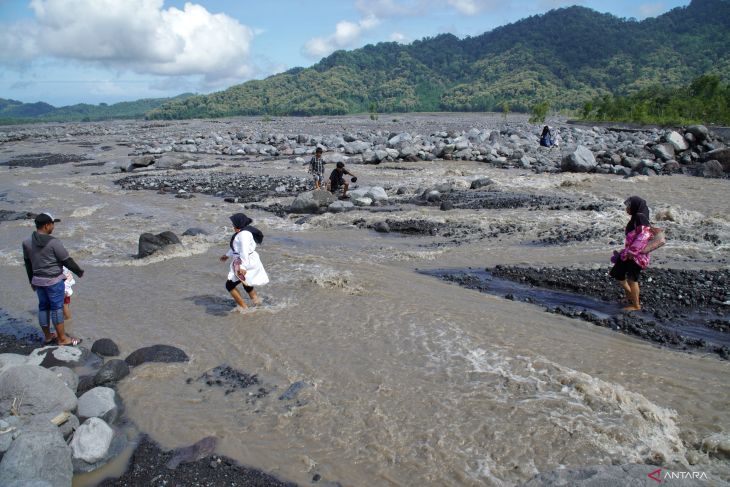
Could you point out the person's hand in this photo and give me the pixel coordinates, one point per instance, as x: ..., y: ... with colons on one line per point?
x: 33, y: 287
x: 223, y: 258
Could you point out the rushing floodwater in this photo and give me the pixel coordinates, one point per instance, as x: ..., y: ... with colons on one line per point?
x: 414, y: 381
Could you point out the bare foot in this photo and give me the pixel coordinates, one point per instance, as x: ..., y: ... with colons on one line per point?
x: 239, y: 309
x: 631, y: 308
x: 257, y: 302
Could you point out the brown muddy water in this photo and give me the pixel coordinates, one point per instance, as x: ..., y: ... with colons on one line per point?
x: 413, y: 381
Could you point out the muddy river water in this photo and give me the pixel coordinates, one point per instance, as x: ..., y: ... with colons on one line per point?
x: 410, y: 380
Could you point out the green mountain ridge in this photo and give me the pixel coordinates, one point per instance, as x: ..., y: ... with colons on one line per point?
x: 13, y: 111
x: 566, y: 57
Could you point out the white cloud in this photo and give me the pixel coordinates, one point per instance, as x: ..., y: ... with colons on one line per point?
x: 138, y: 35
x: 346, y: 35
x: 473, y: 7
x: 651, y: 9
x: 398, y: 37
x: 391, y: 8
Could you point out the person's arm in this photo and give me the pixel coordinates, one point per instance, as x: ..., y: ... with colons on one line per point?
x: 73, y: 267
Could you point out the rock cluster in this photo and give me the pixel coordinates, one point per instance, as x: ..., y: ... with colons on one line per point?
x: 54, y: 423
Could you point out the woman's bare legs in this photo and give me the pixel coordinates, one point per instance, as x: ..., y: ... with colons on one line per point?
x: 633, y: 297
x: 255, y: 299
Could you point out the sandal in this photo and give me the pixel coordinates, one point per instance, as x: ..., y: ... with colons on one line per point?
x: 52, y: 340
x: 72, y: 343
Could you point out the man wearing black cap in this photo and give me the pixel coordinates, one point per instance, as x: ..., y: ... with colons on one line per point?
x: 44, y: 258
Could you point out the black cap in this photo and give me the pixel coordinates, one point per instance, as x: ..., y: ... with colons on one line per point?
x: 45, y: 219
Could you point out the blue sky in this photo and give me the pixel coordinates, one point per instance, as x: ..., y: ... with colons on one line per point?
x: 91, y: 51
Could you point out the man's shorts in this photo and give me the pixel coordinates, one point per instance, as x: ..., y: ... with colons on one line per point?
x: 318, y: 178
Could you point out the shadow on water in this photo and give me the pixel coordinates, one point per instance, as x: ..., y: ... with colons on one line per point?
x: 214, y: 305
x: 691, y: 330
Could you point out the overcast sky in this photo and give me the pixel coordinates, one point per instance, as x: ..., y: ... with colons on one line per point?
x: 91, y: 51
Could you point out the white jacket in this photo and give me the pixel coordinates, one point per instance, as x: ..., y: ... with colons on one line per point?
x: 244, y: 247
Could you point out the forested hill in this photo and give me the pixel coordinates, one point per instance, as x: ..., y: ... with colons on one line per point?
x: 13, y: 111
x: 566, y: 57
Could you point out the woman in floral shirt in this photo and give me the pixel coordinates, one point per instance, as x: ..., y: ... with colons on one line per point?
x: 632, y: 260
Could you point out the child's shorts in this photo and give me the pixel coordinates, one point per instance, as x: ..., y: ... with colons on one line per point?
x: 318, y: 178
x: 626, y: 269
x: 67, y: 300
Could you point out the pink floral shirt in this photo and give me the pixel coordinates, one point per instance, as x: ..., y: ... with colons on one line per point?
x: 636, y: 241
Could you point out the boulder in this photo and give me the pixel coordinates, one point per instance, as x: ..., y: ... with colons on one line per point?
x: 699, y: 132
x: 340, y: 206
x: 192, y: 453
x: 35, y: 390
x: 37, y: 457
x: 399, y: 140
x: 67, y: 376
x: 311, y: 201
x: 677, y: 141
x: 71, y: 357
x: 170, y: 161
x: 664, y: 151
x: 580, y: 160
x: 720, y: 155
x: 111, y: 372
x: 334, y: 157
x: 91, y: 441
x: 381, y: 227
x: 712, y: 169
x: 356, y: 147
x: 361, y: 201
x: 8, y: 360
x: 480, y: 183
x: 105, y: 347
x: 99, y: 402
x: 194, y: 232
x: 446, y: 206
x: 149, y: 243
x: 377, y: 193
x: 156, y: 353
x: 142, y: 161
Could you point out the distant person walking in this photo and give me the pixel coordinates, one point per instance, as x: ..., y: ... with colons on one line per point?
x: 546, y: 138
x: 246, y: 267
x: 316, y: 168
x: 45, y: 257
x: 629, y: 262
x: 337, y: 180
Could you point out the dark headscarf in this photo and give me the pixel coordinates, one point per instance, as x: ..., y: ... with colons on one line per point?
x: 639, y: 213
x: 242, y: 222
x: 545, y: 131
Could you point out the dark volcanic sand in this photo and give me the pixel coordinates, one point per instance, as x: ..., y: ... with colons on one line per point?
x: 147, y: 467
x: 681, y: 309
x: 42, y: 159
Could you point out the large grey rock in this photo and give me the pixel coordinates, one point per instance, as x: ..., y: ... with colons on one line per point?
x: 334, y: 157
x: 149, y: 243
x: 480, y: 183
x: 340, y: 206
x: 105, y: 347
x: 194, y: 232
x: 712, y: 169
x: 99, y: 402
x: 67, y: 376
x: 720, y: 155
x: 399, y: 140
x: 631, y: 475
x: 699, y: 132
x: 111, y: 372
x: 677, y: 140
x: 377, y: 193
x: 35, y: 457
x: 170, y: 161
x: 36, y: 390
x: 356, y: 147
x: 142, y: 161
x: 91, y: 441
x: 580, y: 160
x: 156, y: 353
x: 71, y: 357
x: 192, y: 453
x: 311, y: 201
x: 8, y: 360
x: 664, y: 151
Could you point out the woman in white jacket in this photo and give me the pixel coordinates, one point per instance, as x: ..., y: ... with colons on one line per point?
x: 246, y: 267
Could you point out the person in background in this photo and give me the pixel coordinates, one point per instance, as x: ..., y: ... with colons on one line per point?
x: 546, y: 139
x: 629, y: 262
x: 68, y: 291
x: 44, y: 257
x: 246, y: 267
x: 337, y: 180
x: 316, y: 168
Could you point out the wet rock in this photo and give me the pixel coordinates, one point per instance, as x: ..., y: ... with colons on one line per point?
x: 312, y: 201
x: 293, y: 390
x: 712, y: 169
x: 580, y: 160
x: 480, y: 183
x: 381, y: 227
x: 149, y: 243
x: 34, y: 390
x: 446, y: 206
x: 37, y: 456
x: 105, y: 347
x: 720, y: 155
x: 192, y: 453
x: 340, y: 206
x: 717, y: 445
x: 111, y: 372
x: 91, y: 441
x: 156, y: 353
x: 71, y: 357
x: 7, y: 216
x: 67, y: 376
x: 194, y: 232
x: 95, y: 447
x: 142, y: 161
x: 699, y: 132
x: 99, y: 402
